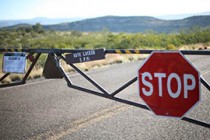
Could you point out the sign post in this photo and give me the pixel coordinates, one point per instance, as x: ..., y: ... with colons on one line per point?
x: 169, y: 84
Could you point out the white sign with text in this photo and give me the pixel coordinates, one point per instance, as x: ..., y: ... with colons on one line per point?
x: 14, y: 62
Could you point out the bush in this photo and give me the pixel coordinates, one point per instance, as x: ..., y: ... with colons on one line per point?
x: 170, y: 47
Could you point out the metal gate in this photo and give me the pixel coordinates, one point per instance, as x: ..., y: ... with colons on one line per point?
x: 53, y: 69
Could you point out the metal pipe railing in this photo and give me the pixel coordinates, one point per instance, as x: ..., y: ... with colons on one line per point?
x: 114, y: 51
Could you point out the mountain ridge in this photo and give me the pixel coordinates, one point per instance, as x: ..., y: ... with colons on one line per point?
x: 50, y: 21
x: 42, y: 20
x: 129, y: 24
x: 132, y: 24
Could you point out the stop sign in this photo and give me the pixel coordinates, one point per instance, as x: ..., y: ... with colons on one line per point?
x: 169, y: 84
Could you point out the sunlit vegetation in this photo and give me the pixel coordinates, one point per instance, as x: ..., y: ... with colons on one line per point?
x: 36, y: 37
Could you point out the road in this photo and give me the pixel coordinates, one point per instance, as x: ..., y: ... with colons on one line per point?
x: 48, y: 109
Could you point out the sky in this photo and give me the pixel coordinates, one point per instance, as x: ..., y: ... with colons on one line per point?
x: 28, y: 9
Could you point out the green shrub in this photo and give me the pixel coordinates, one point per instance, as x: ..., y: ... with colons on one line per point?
x: 171, y: 47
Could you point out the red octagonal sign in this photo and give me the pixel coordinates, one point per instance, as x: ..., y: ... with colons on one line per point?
x: 169, y: 84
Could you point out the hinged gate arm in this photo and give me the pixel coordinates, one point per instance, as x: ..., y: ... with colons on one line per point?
x: 205, y: 83
x: 56, y: 53
x: 111, y: 96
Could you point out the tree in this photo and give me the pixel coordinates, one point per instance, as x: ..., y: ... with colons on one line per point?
x: 38, y: 28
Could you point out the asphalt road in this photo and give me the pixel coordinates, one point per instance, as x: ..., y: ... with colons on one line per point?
x: 48, y: 109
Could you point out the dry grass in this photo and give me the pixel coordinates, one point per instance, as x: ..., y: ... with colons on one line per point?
x: 195, y: 47
x: 36, y: 74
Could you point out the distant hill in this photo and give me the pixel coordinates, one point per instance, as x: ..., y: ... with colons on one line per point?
x: 182, y: 16
x: 42, y: 20
x: 132, y: 24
